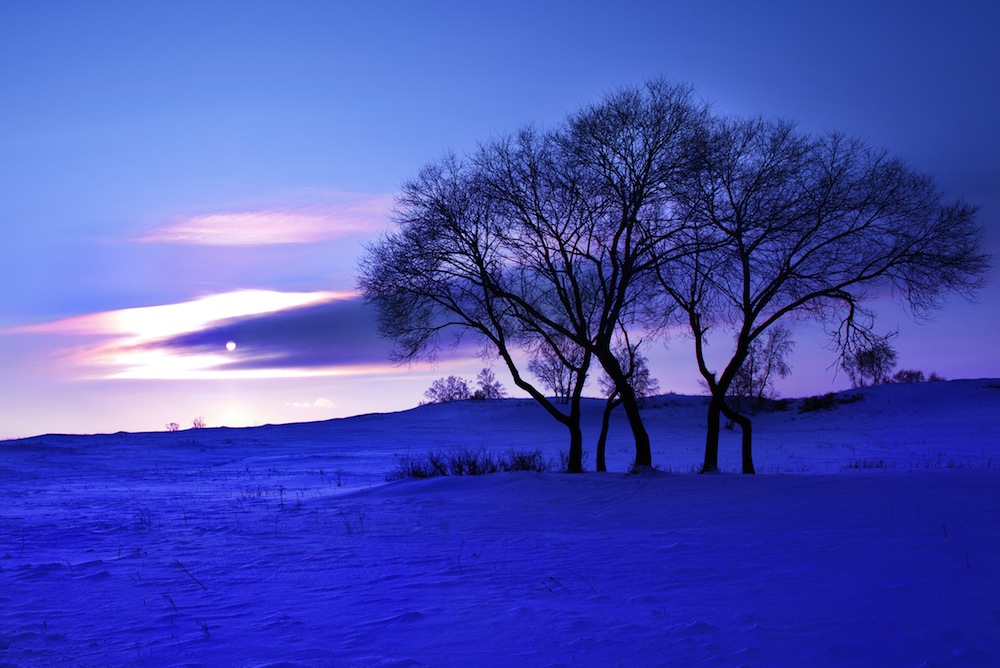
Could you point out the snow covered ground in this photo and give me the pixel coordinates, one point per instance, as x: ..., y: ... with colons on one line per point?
x: 872, y: 538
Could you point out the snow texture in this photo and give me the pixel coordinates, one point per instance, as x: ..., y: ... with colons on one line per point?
x: 871, y: 538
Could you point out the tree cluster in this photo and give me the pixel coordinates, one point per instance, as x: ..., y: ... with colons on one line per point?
x: 455, y: 388
x: 573, y: 247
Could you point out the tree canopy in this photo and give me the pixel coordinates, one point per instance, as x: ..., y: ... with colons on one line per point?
x: 643, y: 211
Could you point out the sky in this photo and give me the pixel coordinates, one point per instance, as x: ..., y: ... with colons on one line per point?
x: 178, y: 176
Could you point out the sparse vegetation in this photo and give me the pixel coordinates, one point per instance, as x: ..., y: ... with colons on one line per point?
x: 828, y: 401
x: 466, y: 462
x: 908, y: 376
x: 354, y: 522
x: 869, y: 463
x: 753, y: 384
x: 564, y: 466
x: 871, y: 362
x: 488, y: 387
x: 455, y: 388
x: 448, y: 389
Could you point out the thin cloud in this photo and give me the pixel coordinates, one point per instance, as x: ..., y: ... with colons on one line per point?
x: 181, y: 341
x: 321, y: 403
x: 273, y: 226
x: 331, y: 338
x: 147, y: 323
x: 276, y: 335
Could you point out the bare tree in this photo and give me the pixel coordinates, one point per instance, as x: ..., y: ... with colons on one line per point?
x: 783, y: 223
x: 908, y: 376
x: 766, y: 359
x: 557, y: 368
x: 641, y: 207
x: 588, y: 210
x: 872, y: 361
x: 448, y: 389
x: 641, y: 383
x: 488, y: 387
x: 445, y: 268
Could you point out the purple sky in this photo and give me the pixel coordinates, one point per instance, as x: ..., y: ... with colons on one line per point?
x: 178, y: 175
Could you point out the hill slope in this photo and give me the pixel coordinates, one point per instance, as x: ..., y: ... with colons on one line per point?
x: 281, y: 545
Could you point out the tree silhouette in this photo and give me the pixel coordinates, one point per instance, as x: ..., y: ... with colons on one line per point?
x: 644, y: 211
x: 872, y: 362
x: 785, y: 223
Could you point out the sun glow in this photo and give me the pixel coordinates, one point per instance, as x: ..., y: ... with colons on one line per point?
x: 129, y: 346
x: 148, y: 323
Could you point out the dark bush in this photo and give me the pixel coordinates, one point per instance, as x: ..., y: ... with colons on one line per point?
x: 827, y: 402
x: 464, y: 462
x: 524, y: 460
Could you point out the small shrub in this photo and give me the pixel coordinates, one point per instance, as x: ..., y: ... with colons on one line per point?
x: 564, y: 461
x: 524, y: 460
x: 828, y: 401
x: 820, y: 403
x: 870, y: 463
x: 908, y: 376
x: 431, y: 465
x: 465, y: 462
x: 354, y: 522
x: 773, y: 405
x: 472, y: 462
x: 198, y: 423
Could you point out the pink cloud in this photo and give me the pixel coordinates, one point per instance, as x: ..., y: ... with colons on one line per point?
x: 126, y: 339
x: 148, y: 323
x: 349, y: 214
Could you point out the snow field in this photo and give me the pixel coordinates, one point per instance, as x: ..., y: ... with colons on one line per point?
x: 281, y: 546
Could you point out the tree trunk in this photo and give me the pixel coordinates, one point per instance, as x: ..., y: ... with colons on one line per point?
x: 627, y: 398
x: 575, y: 462
x: 602, y: 440
x: 711, y: 463
x: 643, y: 452
x: 746, y: 429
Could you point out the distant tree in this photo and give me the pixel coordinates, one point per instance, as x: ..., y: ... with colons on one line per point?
x: 488, y: 387
x: 935, y: 378
x: 908, y: 376
x: 872, y: 362
x: 766, y: 359
x: 448, y: 389
x: 198, y: 423
x: 642, y: 384
x: 557, y: 368
x: 173, y: 426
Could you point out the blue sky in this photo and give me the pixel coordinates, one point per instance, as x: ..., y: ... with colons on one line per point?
x: 200, y: 172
